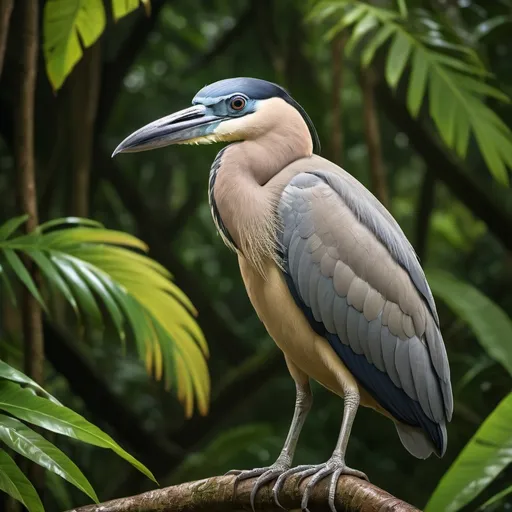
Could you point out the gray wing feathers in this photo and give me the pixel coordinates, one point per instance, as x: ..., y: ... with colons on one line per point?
x: 365, y: 288
x: 370, y: 212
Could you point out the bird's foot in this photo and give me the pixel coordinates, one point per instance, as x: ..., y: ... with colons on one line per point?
x: 335, y: 466
x: 264, y: 475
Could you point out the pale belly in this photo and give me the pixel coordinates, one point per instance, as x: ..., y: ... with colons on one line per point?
x: 291, y: 331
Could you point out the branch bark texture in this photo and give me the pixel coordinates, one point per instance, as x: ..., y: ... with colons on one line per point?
x: 218, y: 494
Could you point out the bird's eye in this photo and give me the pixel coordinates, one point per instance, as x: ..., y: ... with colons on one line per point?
x: 238, y: 102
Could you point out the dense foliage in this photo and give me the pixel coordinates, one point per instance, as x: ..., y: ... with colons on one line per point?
x: 410, y: 96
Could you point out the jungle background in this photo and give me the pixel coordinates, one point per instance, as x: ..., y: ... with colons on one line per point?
x: 411, y: 97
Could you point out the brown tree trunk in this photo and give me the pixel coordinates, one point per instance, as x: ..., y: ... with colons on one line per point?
x: 372, y: 133
x: 5, y: 16
x: 84, y: 96
x: 24, y: 161
x: 337, y: 59
x: 218, y: 494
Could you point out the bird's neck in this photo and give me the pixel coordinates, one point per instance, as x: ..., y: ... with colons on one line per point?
x: 246, y: 182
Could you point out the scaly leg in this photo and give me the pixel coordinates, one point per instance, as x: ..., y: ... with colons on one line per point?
x: 303, y: 402
x: 335, y: 466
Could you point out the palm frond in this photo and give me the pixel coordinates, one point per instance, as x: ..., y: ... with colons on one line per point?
x: 101, y: 272
x: 442, y: 69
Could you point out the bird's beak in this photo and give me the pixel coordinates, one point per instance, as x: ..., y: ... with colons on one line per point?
x: 188, y: 125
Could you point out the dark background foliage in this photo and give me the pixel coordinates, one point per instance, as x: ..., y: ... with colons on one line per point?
x: 456, y: 215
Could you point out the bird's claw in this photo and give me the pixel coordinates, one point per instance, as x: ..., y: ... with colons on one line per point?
x: 264, y: 475
x: 335, y: 466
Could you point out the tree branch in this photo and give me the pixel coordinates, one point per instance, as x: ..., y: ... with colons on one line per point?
x: 27, y: 195
x: 25, y: 163
x: 84, y: 97
x: 218, y: 493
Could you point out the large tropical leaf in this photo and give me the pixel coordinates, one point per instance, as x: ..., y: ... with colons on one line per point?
x: 22, y: 439
x: 26, y: 406
x: 451, y: 74
x: 17, y: 485
x: 97, y: 269
x: 9, y: 373
x: 66, y: 26
x: 491, y: 325
x: 488, y: 452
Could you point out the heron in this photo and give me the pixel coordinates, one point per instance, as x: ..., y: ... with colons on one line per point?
x: 327, y: 268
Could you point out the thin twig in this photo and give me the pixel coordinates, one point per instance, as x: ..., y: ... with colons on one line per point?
x: 218, y: 494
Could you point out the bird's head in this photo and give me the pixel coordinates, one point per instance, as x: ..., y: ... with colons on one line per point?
x: 229, y: 110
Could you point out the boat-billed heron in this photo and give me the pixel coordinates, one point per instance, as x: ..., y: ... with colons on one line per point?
x: 327, y: 268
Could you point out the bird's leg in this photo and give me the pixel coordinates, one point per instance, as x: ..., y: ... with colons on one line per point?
x: 303, y: 402
x: 335, y: 466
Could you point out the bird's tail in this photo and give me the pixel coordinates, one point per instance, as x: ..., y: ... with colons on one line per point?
x: 417, y: 442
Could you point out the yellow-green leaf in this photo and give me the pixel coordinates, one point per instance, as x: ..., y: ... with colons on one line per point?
x: 66, y: 26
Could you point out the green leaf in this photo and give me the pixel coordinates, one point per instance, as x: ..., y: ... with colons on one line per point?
x: 9, y: 227
x: 491, y: 325
x: 97, y: 269
x: 69, y: 221
x: 363, y: 27
x: 418, y: 82
x: 375, y: 43
x: 397, y: 58
x: 51, y: 273
x: 497, y: 497
x: 60, y: 492
x: 121, y: 8
x: 23, y: 275
x: 9, y: 373
x: 443, y: 71
x: 487, y: 453
x: 402, y: 7
x: 41, y: 412
x: 96, y: 284
x: 17, y: 485
x: 85, y: 298
x: 487, y: 26
x: 26, y: 442
x: 7, y: 285
x: 66, y: 27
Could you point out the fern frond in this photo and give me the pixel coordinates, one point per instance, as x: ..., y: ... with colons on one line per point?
x: 444, y: 73
x: 99, y: 272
